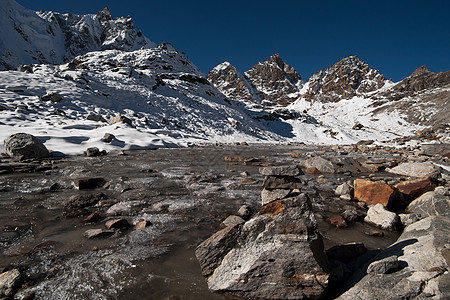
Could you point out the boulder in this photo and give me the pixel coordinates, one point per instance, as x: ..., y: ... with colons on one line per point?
x: 90, y: 183
x: 430, y: 204
x: 372, y: 192
x: 414, y: 188
x: 320, y: 164
x: 281, y: 171
x: 278, y: 254
x: 415, y: 169
x: 282, y: 182
x: 120, y: 118
x: 108, y: 137
x: 83, y: 200
x: 423, y: 257
x: 268, y: 196
x: 436, y: 149
x: 380, y: 216
x: 117, y: 224
x: 10, y: 282
x: 93, y: 152
x: 25, y: 146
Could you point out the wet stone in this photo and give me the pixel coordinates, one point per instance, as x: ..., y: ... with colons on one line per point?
x: 338, y: 222
x: 97, y: 233
x: 281, y: 171
x: 117, y: 224
x: 346, y: 252
x: 142, y: 224
x: 94, y: 217
x: 83, y: 200
x: 284, y: 182
x: 90, y: 183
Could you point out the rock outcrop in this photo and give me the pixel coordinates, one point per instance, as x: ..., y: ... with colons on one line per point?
x: 278, y: 254
x: 25, y: 146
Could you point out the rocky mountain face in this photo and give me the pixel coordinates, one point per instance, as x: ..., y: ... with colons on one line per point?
x: 269, y: 83
x: 48, y: 37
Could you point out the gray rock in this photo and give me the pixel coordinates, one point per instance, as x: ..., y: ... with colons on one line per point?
x: 415, y: 169
x: 245, y: 212
x: 108, y: 137
x: 25, y: 146
x: 97, y: 233
x: 232, y: 220
x: 344, y: 189
x: 268, y: 196
x: 436, y: 149
x: 320, y: 164
x: 95, y: 117
x: 278, y: 254
x: 92, y: 152
x: 423, y: 257
x: 430, y: 204
x: 53, y: 97
x: 408, y: 219
x: 380, y: 216
x: 284, y: 182
x: 442, y: 190
x: 382, y: 266
x: 281, y: 171
x: 10, y: 282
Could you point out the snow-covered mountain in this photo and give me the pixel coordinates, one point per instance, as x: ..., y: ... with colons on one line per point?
x: 81, y: 77
x: 28, y: 37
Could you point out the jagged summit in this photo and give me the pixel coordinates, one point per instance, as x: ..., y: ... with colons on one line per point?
x: 347, y: 78
x: 48, y: 37
x: 421, y: 71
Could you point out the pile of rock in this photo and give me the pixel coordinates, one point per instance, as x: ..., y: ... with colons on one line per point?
x: 277, y: 254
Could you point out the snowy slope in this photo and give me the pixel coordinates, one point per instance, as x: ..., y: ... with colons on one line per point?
x: 167, y: 98
x: 28, y: 37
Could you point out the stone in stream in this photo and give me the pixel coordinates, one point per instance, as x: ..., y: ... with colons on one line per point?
x: 98, y: 233
x: 93, y: 217
x: 10, y: 282
x: 415, y: 169
x: 25, y: 146
x: 83, y: 200
x: 414, y: 188
x: 338, y: 222
x: 141, y: 225
x: 380, y: 216
x: 282, y: 182
x: 372, y: 192
x: 281, y: 171
x: 245, y: 212
x: 278, y: 254
x: 90, y: 183
x: 423, y: 258
x: 117, y: 224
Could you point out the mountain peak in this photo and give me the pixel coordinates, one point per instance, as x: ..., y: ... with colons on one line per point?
x: 421, y: 71
x: 105, y: 14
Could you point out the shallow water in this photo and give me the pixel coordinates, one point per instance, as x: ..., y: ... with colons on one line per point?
x: 184, y: 193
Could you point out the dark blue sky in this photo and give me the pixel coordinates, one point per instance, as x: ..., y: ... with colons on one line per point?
x: 395, y: 36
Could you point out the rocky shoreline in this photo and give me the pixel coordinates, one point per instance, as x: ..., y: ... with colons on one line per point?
x: 355, y: 222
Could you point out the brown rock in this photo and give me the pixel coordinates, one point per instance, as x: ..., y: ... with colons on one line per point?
x: 338, y: 222
x: 372, y: 192
x: 142, y: 224
x: 94, y: 217
x: 117, y: 224
x: 118, y: 119
x: 415, y: 188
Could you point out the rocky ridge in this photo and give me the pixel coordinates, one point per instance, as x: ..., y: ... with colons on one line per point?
x: 56, y: 38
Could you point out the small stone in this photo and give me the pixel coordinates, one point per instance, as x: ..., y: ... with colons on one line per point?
x: 97, y: 233
x: 10, y: 282
x: 372, y: 192
x: 53, y: 97
x: 350, y: 215
x: 232, y: 220
x: 268, y: 196
x: 90, y: 183
x: 108, y: 137
x: 379, y: 216
x: 92, y: 152
x: 94, y: 217
x: 120, y: 118
x: 244, y: 212
x: 383, y: 266
x: 281, y: 171
x: 117, y: 224
x: 375, y: 233
x: 344, y: 189
x: 337, y: 222
x: 95, y: 117
x: 83, y: 200
x: 142, y: 224
x: 345, y: 197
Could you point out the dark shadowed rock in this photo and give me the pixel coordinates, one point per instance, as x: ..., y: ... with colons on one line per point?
x: 83, y: 200
x: 282, y: 182
x: 414, y: 188
x: 278, y: 254
x: 108, y: 137
x: 25, y: 146
x: 53, y: 97
x: 245, y: 212
x: 95, y: 117
x: 97, y: 233
x: 117, y: 224
x: 281, y: 171
x: 346, y: 252
x: 90, y: 183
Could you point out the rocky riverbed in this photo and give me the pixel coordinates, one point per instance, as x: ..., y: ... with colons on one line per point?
x: 127, y: 225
